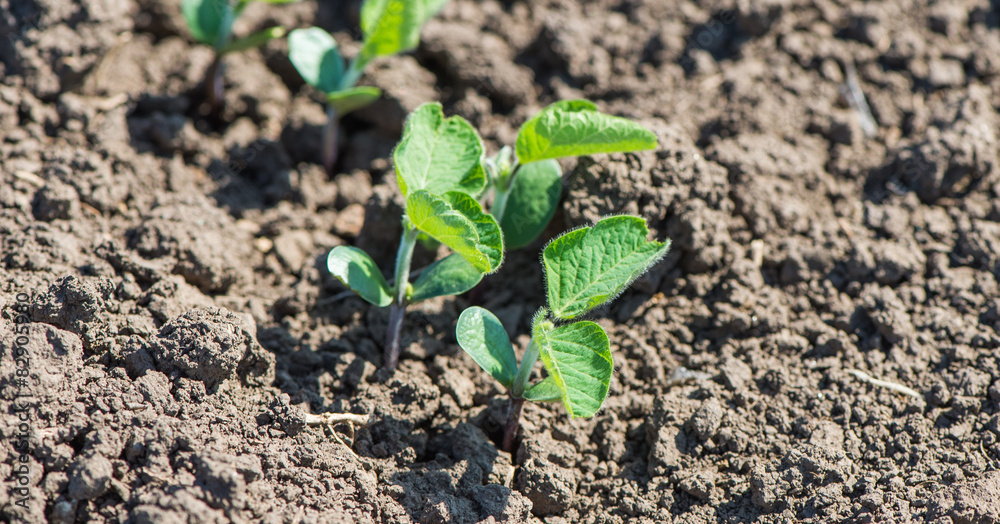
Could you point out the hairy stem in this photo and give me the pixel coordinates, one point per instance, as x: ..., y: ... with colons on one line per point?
x: 330, y: 139
x: 397, y: 311
x: 513, y: 424
x: 523, y: 372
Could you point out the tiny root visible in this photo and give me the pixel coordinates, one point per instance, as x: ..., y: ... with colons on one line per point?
x: 898, y: 388
x: 329, y: 420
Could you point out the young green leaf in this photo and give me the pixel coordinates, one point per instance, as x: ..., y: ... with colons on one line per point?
x: 533, y: 199
x: 353, y: 99
x: 205, y: 18
x: 544, y: 391
x: 576, y: 127
x: 314, y: 54
x: 439, y: 154
x: 490, y: 241
x: 255, y: 40
x: 590, y: 266
x: 390, y: 26
x: 452, y: 275
x: 483, y: 337
x: 358, y: 272
x: 438, y: 217
x: 578, y: 359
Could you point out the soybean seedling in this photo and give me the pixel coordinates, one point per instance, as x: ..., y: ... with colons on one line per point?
x: 211, y: 23
x: 527, y: 180
x: 439, y: 169
x: 584, y: 269
x: 389, y: 27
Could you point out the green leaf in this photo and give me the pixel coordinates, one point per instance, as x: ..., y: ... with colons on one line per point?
x: 576, y: 127
x: 534, y: 197
x: 490, y: 241
x: 591, y: 266
x: 439, y: 154
x: 206, y: 20
x: 278, y: 1
x: 544, y: 391
x: 314, y: 54
x: 578, y: 359
x: 439, y: 218
x: 255, y: 40
x: 483, y: 337
x: 452, y: 275
x: 353, y: 98
x: 358, y: 272
x: 390, y: 26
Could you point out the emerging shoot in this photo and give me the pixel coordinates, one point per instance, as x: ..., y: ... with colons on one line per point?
x: 211, y: 23
x: 439, y: 170
x: 389, y: 27
x: 584, y: 269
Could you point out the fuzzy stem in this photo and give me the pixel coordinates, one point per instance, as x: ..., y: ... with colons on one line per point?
x: 397, y: 311
x: 330, y: 139
x: 513, y: 423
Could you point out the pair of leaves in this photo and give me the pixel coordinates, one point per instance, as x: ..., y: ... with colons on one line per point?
x: 584, y: 269
x: 211, y: 22
x: 577, y: 357
x: 563, y: 129
x: 451, y: 275
x: 315, y: 56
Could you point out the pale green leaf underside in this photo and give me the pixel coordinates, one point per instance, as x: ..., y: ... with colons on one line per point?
x: 484, y: 338
x: 353, y: 99
x: 575, y: 127
x: 452, y: 275
x: 204, y: 19
x: 547, y: 390
x: 439, y: 154
x: 314, y: 54
x: 390, y: 26
x: 590, y: 266
x: 442, y: 220
x: 533, y: 200
x: 359, y: 272
x: 578, y: 359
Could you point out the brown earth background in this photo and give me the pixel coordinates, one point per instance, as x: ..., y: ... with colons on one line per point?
x: 183, y: 322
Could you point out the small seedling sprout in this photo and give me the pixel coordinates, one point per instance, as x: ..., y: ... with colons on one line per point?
x: 211, y: 23
x: 439, y: 169
x: 584, y: 269
x: 527, y: 180
x: 389, y: 27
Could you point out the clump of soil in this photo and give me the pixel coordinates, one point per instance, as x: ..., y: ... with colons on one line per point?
x: 180, y: 323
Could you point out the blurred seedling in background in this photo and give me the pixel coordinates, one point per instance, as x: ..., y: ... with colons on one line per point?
x: 211, y: 23
x: 584, y: 269
x: 527, y: 180
x: 439, y: 169
x: 388, y: 26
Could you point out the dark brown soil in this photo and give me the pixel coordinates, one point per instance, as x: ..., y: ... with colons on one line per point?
x: 182, y: 324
